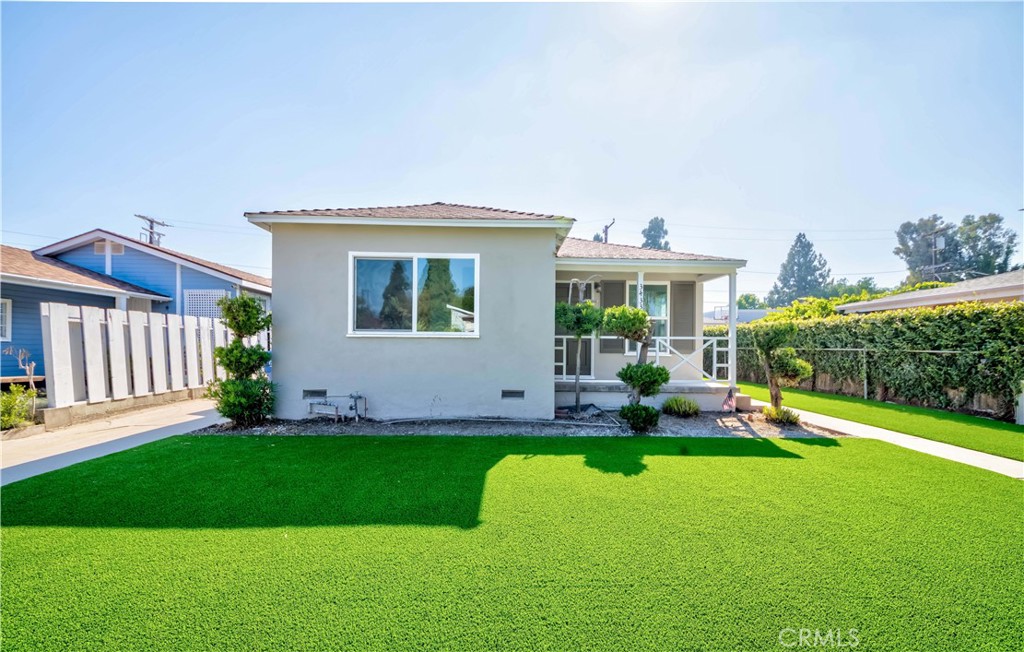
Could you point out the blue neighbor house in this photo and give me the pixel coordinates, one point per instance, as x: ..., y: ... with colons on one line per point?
x: 107, y: 270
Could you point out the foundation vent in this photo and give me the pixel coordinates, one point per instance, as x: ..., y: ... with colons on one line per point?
x: 314, y: 393
x: 514, y: 394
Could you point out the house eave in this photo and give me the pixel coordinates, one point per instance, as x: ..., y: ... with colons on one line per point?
x: 101, y: 234
x: 31, y: 281
x: 265, y: 220
x: 712, y: 267
x: 898, y: 302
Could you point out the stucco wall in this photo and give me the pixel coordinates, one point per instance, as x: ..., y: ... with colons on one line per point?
x: 415, y: 376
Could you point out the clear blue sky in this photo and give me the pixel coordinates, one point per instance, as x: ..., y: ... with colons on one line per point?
x: 739, y: 124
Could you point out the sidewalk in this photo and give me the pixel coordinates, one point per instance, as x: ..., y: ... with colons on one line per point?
x: 994, y: 463
x: 24, y: 458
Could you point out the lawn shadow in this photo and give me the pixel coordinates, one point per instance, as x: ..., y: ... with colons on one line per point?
x: 238, y: 482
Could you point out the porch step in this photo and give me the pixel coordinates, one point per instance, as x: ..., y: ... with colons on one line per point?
x: 742, y: 402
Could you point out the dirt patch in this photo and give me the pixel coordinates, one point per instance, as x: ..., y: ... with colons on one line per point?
x: 740, y: 424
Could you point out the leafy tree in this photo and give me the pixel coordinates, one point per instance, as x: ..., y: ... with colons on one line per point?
x: 246, y: 396
x: 396, y: 312
x: 804, y: 273
x: 598, y: 237
x: 437, y: 294
x: 915, y: 246
x: 978, y: 246
x: 986, y: 246
x: 580, y: 319
x: 842, y: 287
x: 654, y: 234
x: 750, y: 300
x: 781, y: 364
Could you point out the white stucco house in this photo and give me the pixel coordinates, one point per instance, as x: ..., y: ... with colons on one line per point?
x: 445, y: 310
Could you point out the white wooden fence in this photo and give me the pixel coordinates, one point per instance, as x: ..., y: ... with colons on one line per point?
x: 95, y: 355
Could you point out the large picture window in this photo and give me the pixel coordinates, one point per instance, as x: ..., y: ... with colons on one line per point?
x: 414, y: 294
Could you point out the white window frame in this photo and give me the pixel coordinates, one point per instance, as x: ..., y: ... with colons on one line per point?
x: 668, y: 311
x: 415, y: 257
x: 8, y: 322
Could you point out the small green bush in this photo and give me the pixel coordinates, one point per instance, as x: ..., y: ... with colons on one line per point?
x: 641, y: 418
x: 246, y: 401
x: 241, y: 361
x: 646, y: 379
x: 246, y: 396
x: 680, y: 406
x: 781, y: 416
x: 15, y: 406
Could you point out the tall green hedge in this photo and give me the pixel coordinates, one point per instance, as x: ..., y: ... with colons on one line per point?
x: 985, y: 344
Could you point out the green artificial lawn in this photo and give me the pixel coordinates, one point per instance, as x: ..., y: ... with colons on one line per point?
x: 452, y: 543
x: 976, y: 433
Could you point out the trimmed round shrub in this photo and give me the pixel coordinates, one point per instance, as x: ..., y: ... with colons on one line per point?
x: 646, y: 379
x: 680, y: 406
x: 782, y: 416
x: 641, y: 418
x: 246, y: 401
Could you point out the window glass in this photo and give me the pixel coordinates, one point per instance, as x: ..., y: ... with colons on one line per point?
x: 446, y: 296
x: 383, y: 294
x: 5, y: 320
x: 655, y: 298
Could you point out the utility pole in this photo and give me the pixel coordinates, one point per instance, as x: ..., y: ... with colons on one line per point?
x: 938, y: 244
x: 149, y: 233
x: 605, y: 229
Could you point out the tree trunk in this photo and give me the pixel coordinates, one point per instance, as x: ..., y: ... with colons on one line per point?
x: 579, y: 347
x: 774, y: 391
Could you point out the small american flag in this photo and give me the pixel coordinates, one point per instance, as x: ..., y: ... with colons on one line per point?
x: 729, y: 404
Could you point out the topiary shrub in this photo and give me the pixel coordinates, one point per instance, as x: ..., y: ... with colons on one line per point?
x: 641, y: 418
x: 644, y: 379
x: 246, y: 401
x: 781, y: 416
x: 16, y: 406
x: 246, y: 396
x: 581, y: 320
x: 680, y: 406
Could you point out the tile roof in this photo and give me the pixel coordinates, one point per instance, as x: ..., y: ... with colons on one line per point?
x: 22, y: 262
x: 578, y: 248
x: 435, y: 211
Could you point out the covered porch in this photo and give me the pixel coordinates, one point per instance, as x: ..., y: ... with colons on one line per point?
x: 670, y: 287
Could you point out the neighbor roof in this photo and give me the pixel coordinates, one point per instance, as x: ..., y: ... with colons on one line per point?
x: 435, y: 211
x: 29, y: 265
x: 578, y: 248
x: 100, y: 234
x: 1008, y: 286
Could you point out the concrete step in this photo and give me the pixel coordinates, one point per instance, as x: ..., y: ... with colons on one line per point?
x: 742, y: 402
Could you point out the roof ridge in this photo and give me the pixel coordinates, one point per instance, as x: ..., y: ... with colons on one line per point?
x: 356, y: 210
x: 631, y: 246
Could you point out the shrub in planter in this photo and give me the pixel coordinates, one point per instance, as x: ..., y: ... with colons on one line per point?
x: 246, y: 396
x: 680, y: 406
x: 781, y: 416
x: 16, y: 406
x: 641, y: 418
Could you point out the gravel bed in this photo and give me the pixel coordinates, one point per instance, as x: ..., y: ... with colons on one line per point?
x: 740, y: 424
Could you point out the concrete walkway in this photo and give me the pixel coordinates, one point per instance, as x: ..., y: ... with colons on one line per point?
x: 35, y: 454
x: 994, y: 463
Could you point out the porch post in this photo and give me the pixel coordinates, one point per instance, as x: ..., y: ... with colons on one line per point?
x: 639, y: 302
x: 732, y: 329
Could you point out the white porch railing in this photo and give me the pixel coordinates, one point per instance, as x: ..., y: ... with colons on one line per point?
x: 663, y: 350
